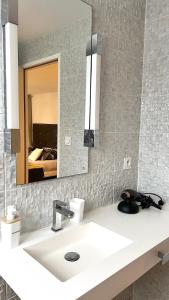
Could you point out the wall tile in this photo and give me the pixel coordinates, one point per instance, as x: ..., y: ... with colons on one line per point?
x: 1, y: 144
x: 10, y: 170
x: 2, y: 122
x: 154, y: 180
x: 128, y: 119
x: 2, y: 198
x: 155, y: 114
x: 149, y: 150
x: 126, y: 73
x: 126, y: 145
x: 131, y: 38
x: 156, y: 34
x: 103, y: 156
x: 156, y: 77
x: 156, y: 9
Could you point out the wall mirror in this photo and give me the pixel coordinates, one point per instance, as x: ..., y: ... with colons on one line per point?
x: 52, y: 41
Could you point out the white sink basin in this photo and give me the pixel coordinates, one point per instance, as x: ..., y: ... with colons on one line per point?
x: 92, y: 242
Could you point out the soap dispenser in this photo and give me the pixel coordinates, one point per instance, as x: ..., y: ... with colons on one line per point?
x: 11, y: 228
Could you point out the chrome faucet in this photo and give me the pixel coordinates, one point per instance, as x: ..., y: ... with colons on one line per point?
x: 60, y: 209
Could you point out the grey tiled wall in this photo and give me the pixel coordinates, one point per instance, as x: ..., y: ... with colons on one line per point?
x: 154, y: 131
x: 121, y: 24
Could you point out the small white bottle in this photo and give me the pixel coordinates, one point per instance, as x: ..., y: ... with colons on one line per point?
x: 77, y: 206
x: 11, y: 228
x: 11, y: 213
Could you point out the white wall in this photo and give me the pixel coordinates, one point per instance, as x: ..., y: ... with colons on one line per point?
x: 44, y: 108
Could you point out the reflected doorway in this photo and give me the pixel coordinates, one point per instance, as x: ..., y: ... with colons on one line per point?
x: 39, y: 113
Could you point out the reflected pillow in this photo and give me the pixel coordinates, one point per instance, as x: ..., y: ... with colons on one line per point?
x: 30, y: 149
x: 49, y: 154
x: 35, y: 154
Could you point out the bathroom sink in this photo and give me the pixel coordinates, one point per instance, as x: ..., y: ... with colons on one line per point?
x: 72, y: 251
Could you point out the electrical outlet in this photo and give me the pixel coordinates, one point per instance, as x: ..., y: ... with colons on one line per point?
x: 84, y: 167
x: 68, y: 140
x: 127, y: 163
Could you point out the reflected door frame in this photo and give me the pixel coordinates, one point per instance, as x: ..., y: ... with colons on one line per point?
x: 20, y: 156
x: 45, y: 60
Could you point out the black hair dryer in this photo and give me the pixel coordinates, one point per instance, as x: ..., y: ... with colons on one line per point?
x: 132, y: 200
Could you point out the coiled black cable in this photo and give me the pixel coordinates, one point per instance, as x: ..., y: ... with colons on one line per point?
x: 160, y: 202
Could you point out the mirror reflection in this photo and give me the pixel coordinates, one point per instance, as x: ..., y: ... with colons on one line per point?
x: 52, y: 88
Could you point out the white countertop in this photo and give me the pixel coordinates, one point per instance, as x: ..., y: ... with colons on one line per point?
x: 32, y: 281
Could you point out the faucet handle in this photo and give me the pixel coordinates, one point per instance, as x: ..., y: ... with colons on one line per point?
x: 59, y: 203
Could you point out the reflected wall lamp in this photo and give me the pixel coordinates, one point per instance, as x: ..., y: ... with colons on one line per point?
x: 92, y: 106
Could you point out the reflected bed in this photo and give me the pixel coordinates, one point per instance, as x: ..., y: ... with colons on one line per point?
x: 49, y: 167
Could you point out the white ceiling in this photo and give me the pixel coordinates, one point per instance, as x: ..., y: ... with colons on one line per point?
x: 40, y: 17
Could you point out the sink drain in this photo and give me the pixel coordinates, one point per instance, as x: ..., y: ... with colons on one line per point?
x: 72, y: 256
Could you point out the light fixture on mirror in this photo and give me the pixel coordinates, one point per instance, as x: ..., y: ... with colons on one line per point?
x: 10, y: 31
x: 92, y: 107
x: 11, y: 52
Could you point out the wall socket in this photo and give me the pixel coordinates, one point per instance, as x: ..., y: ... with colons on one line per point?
x: 68, y: 140
x: 84, y: 167
x: 127, y: 163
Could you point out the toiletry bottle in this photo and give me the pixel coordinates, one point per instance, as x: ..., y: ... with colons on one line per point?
x: 11, y: 228
x: 77, y: 206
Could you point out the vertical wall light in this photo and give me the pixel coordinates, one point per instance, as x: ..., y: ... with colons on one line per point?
x: 10, y: 30
x: 88, y: 92
x: 11, y: 54
x: 92, y: 108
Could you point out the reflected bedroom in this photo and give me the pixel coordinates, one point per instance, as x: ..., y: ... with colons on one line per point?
x: 37, y: 159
